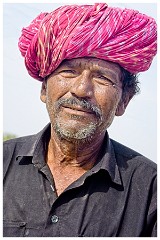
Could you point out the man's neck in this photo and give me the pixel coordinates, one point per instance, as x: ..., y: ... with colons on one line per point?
x: 66, y: 153
x: 68, y: 161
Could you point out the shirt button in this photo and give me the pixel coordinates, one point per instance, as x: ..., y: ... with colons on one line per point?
x: 26, y: 232
x: 54, y: 219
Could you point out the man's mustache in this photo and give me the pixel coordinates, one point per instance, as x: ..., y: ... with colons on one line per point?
x: 69, y: 102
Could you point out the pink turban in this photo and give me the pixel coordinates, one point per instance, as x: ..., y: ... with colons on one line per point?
x: 124, y: 36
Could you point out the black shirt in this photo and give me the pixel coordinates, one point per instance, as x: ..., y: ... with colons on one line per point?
x: 116, y: 198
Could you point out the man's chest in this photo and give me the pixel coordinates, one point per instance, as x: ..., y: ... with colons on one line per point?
x: 92, y: 207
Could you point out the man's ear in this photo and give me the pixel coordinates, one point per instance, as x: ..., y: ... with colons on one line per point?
x: 123, y: 105
x: 43, y: 91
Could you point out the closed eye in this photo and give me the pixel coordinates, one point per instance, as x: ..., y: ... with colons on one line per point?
x: 68, y: 73
x: 104, y: 80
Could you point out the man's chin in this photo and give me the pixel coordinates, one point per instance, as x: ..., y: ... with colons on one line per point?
x: 77, y: 134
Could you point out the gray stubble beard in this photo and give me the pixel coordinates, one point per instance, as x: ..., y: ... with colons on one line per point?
x: 79, y: 136
x: 85, y: 134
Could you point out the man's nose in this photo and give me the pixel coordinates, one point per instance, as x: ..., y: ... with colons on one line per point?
x: 82, y: 85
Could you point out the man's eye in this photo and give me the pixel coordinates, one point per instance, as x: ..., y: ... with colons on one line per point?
x: 68, y: 71
x: 105, y: 80
x: 103, y: 77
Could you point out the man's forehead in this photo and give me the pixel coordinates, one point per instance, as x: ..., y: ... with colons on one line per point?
x: 90, y: 62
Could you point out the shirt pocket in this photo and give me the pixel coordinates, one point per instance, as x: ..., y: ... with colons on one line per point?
x: 14, y: 229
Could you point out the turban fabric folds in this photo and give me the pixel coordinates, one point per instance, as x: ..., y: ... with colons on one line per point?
x: 124, y: 36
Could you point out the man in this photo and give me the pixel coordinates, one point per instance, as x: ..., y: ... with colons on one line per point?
x: 71, y: 179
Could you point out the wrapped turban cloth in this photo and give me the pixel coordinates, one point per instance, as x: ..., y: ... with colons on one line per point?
x: 124, y: 36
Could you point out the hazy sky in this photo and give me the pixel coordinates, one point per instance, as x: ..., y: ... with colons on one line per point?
x: 25, y: 114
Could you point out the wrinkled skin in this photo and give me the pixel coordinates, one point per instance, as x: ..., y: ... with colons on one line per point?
x: 82, y: 97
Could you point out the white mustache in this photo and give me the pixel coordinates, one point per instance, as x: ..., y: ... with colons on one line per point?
x: 71, y: 102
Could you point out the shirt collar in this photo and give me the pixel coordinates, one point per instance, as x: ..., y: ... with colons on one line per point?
x: 35, y: 147
x: 37, y: 144
x: 107, y: 161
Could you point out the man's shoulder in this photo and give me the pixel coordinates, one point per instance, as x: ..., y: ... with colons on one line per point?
x: 127, y: 156
x: 18, y: 141
x: 13, y: 145
x: 25, y: 140
x: 22, y: 146
x: 11, y: 148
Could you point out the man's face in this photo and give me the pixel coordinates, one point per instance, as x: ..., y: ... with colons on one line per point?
x: 82, y: 97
